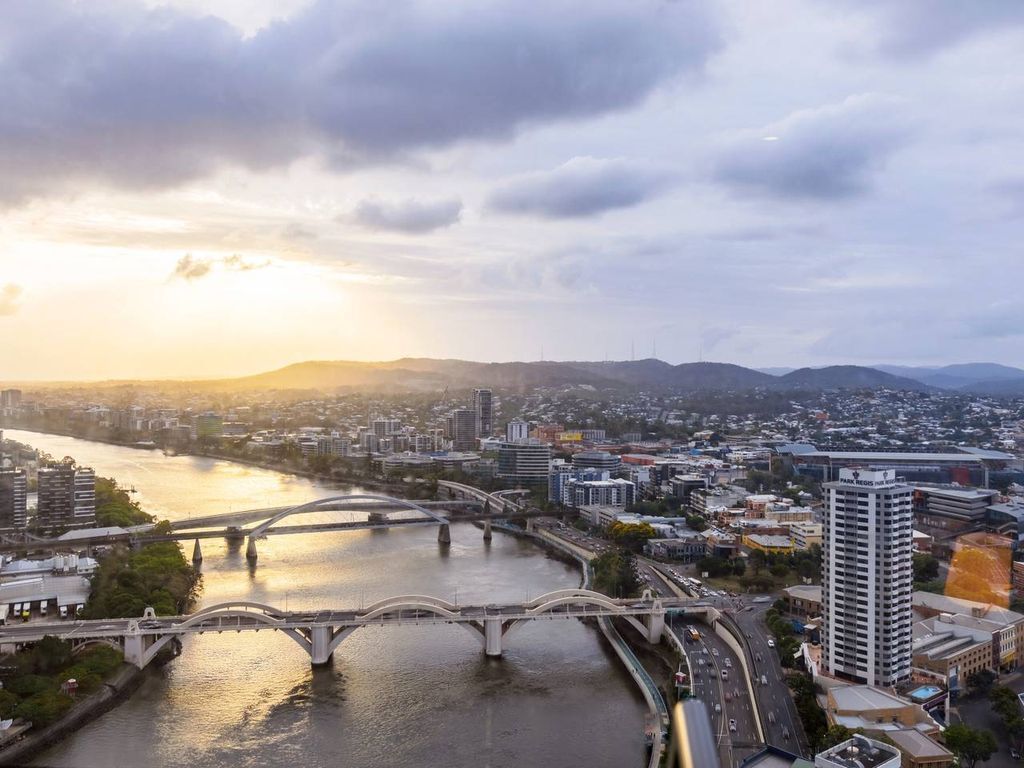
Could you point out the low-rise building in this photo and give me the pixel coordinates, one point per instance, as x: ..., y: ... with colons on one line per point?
x: 1005, y: 627
x: 803, y: 600
x: 919, y: 751
x: 858, y: 752
x: 805, y: 534
x: 686, y: 547
x: 875, y: 710
x: 949, y: 652
x: 768, y: 543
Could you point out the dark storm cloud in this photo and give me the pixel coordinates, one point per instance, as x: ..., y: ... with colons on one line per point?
x: 146, y: 98
x: 408, y: 216
x: 582, y: 187
x: 921, y: 27
x: 826, y: 153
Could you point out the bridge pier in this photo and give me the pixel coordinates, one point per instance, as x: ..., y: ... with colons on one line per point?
x: 197, y: 554
x: 377, y: 517
x: 655, y: 626
x: 487, y: 530
x: 492, y: 636
x: 444, y: 534
x: 250, y: 550
x: 134, y: 650
x: 320, y: 645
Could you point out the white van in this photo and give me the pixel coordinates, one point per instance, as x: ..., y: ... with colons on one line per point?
x: 63, y: 611
x: 764, y: 680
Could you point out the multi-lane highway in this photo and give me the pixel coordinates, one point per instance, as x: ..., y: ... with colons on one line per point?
x: 778, y: 711
x: 727, y: 699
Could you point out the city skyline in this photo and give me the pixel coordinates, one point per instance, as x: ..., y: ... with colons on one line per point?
x: 794, y: 185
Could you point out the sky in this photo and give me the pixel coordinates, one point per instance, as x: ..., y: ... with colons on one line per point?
x: 208, y: 188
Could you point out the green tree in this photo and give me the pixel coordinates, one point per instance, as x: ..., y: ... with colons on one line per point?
x: 981, y: 682
x: 757, y: 560
x: 631, y: 536
x: 970, y: 744
x: 836, y: 734
x: 926, y: 567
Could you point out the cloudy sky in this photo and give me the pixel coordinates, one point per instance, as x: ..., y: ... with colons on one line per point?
x: 216, y: 187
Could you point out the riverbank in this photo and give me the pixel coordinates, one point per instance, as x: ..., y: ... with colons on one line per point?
x: 362, y: 481
x: 121, y: 685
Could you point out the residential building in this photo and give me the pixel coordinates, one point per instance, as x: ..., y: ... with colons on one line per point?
x: 683, y: 487
x: 516, y: 429
x: 13, y: 498
x: 207, y: 425
x: 483, y: 405
x: 462, y: 429
x: 867, y: 578
x: 562, y: 474
x: 67, y: 497
x: 525, y: 462
x: 611, y: 493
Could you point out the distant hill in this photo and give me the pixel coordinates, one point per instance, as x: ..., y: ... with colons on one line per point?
x: 847, y: 377
x: 973, y: 377
x: 425, y: 374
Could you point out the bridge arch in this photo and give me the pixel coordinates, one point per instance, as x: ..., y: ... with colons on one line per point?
x: 315, y: 505
x: 405, y: 599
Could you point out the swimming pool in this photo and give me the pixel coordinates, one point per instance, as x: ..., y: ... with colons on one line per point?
x: 925, y: 692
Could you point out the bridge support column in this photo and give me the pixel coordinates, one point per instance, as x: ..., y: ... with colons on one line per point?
x: 197, y: 554
x: 250, y: 550
x: 444, y: 534
x: 487, y: 530
x: 320, y: 642
x: 492, y: 636
x: 655, y: 626
x: 134, y: 649
x: 529, y: 525
x: 376, y: 517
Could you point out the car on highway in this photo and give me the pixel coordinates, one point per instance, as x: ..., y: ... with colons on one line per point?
x: 718, y: 707
x: 1014, y: 754
x: 725, y: 674
x: 771, y: 643
x: 764, y: 680
x: 714, y: 651
x: 785, y: 733
x: 732, y: 725
x: 728, y: 662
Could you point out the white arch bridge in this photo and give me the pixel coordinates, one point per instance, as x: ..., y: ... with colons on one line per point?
x: 319, y: 633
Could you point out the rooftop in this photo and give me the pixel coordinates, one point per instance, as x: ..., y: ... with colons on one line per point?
x: 858, y: 698
x: 945, y: 604
x: 804, y: 592
x: 858, y: 752
x: 916, y: 744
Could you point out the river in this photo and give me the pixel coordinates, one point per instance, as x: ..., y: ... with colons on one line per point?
x: 398, y: 696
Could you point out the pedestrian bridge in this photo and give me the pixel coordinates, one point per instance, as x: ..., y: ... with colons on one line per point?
x: 319, y: 633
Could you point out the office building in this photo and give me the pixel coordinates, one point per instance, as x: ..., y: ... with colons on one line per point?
x: 462, y: 429
x: 524, y: 462
x: 484, y: 409
x: 67, y: 497
x: 602, y: 460
x: 517, y: 429
x: 10, y: 398
x: 386, y: 427
x: 13, y: 497
x: 805, y: 534
x: 867, y: 578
